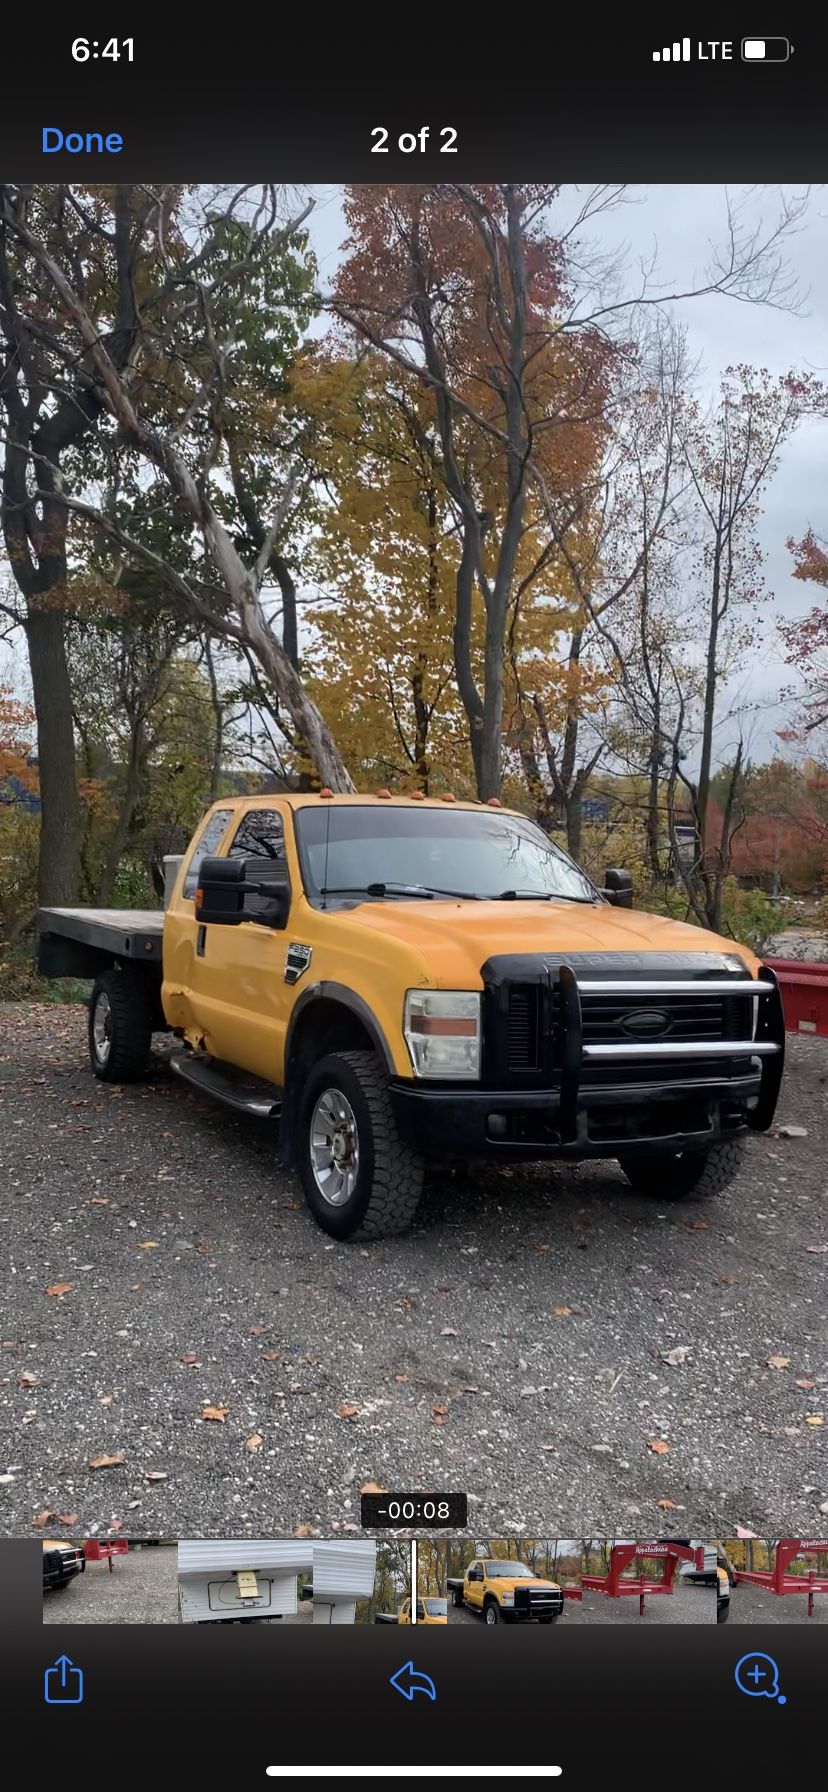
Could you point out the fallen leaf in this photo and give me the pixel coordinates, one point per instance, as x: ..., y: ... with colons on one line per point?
x: 727, y: 1281
x: 70, y: 1518
x: 99, y: 1201
x: 448, y: 1331
x: 346, y: 1410
x: 105, y: 1399
x: 61, y: 1288
x: 42, y: 1518
x: 563, y: 1312
x: 400, y: 1377
x: 116, y: 1525
x: 303, y: 1530
x: 190, y: 1359
x: 678, y: 1355
x: 817, y: 1250
x: 155, y: 1474
x: 696, y: 1225
x: 254, y: 1441
x: 666, y: 1505
x: 291, y: 1206
x: 814, y: 1418
x: 28, y: 1380
x: 805, y: 1384
x: 113, y: 1461
x: 438, y: 1414
x: 658, y: 1447
x: 271, y: 1356
x: 373, y: 1487
x: 149, y: 1244
x: 778, y: 1362
x: 542, y: 1247
x: 255, y: 1331
x: 219, y: 1413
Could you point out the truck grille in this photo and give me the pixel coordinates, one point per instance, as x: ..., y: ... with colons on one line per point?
x: 538, y: 1602
x: 612, y: 1019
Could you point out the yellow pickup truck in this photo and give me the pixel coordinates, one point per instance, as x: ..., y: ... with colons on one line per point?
x: 397, y: 979
x: 506, y: 1592
x: 429, y: 1611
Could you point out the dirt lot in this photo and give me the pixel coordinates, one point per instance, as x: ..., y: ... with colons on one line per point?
x: 142, y: 1589
x: 685, y: 1605
x: 753, y: 1605
x: 514, y: 1344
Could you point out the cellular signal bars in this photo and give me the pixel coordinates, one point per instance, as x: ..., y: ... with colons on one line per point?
x: 679, y: 53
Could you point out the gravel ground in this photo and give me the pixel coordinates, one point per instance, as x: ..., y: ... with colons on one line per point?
x: 685, y: 1605
x: 512, y: 1345
x: 142, y: 1589
x: 753, y: 1605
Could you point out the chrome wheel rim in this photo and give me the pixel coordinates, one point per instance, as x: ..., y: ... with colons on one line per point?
x: 102, y: 1029
x: 491, y: 1615
x: 334, y: 1147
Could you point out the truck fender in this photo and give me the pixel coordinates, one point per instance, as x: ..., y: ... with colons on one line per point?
x: 344, y: 997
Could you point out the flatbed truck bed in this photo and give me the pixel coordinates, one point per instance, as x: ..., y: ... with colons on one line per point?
x: 77, y: 942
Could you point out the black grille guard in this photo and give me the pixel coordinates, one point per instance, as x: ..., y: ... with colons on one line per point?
x: 767, y: 1044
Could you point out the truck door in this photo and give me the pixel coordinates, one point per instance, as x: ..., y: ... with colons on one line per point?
x: 239, y: 997
x: 474, y: 1584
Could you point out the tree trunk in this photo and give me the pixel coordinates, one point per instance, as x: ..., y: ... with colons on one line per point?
x: 129, y: 801
x: 61, y: 829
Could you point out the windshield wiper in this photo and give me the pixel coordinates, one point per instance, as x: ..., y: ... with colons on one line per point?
x: 425, y: 891
x: 540, y: 896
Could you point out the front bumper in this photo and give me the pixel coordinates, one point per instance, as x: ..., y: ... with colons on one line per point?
x: 604, y: 1100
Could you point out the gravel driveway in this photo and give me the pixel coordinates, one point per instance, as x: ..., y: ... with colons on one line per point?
x: 513, y: 1345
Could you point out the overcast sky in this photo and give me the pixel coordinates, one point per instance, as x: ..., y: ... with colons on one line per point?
x: 680, y: 224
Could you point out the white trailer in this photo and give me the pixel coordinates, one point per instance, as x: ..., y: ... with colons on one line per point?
x: 343, y: 1572
x: 224, y: 1579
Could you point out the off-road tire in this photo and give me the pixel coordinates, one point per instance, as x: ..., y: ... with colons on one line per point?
x: 723, y: 1612
x: 131, y: 1010
x: 390, y: 1174
x: 491, y: 1612
x: 456, y: 1596
x: 673, y: 1176
x: 552, y: 1618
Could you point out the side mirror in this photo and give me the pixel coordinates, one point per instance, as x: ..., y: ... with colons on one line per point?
x: 223, y: 885
x: 618, y: 888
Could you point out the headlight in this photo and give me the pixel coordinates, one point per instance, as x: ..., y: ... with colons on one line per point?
x: 442, y: 1032
x: 507, y: 1599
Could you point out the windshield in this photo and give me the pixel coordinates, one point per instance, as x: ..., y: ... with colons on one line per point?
x: 390, y: 851
x: 508, y: 1571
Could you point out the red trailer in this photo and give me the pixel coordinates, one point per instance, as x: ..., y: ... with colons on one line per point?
x: 617, y: 1584
x: 95, y: 1551
x: 804, y: 992
x: 776, y: 1580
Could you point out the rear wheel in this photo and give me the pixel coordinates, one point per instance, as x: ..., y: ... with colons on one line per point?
x: 121, y: 1013
x: 456, y: 1596
x: 675, y: 1174
x: 357, y: 1175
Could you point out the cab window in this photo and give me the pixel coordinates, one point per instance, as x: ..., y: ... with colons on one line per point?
x: 260, y: 834
x: 208, y: 842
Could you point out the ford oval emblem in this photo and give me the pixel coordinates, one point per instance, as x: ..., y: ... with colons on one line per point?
x: 646, y: 1023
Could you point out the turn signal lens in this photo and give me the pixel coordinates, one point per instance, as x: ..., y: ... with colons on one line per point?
x: 442, y: 1032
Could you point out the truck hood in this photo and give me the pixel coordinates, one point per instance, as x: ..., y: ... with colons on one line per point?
x: 456, y: 938
x: 511, y: 1581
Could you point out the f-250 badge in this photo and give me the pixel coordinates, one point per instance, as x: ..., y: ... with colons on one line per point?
x: 297, y: 960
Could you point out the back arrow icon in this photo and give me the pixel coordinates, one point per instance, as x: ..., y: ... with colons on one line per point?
x: 408, y: 1681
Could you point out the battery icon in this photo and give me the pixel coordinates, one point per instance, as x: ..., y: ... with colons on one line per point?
x: 766, y: 49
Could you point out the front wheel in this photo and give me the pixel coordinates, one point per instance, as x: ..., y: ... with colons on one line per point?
x: 672, y: 1175
x: 357, y: 1174
x: 121, y: 1011
x: 723, y: 1612
x: 491, y: 1614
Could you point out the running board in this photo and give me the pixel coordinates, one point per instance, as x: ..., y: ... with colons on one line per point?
x: 236, y: 1088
